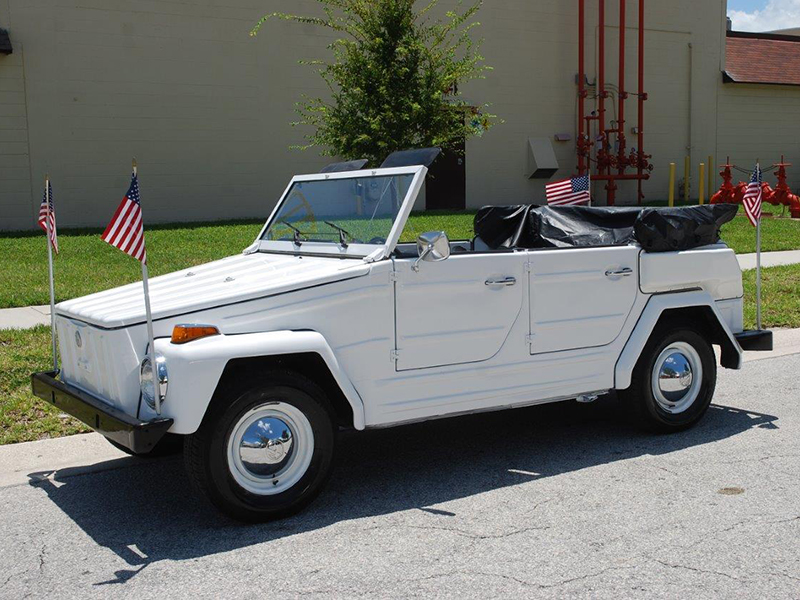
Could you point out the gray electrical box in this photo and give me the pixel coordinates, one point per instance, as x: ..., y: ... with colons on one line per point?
x: 542, y: 162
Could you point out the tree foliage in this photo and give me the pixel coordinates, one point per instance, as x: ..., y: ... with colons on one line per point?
x: 394, y: 78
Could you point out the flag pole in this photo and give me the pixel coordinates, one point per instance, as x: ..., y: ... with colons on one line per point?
x: 52, y: 281
x: 149, y: 315
x: 758, y: 262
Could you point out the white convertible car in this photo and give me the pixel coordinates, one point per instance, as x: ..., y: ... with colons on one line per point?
x: 327, y: 321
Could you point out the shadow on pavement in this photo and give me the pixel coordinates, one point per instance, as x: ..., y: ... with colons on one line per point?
x: 148, y: 512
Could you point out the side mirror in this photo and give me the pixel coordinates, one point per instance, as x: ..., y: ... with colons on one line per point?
x: 432, y: 246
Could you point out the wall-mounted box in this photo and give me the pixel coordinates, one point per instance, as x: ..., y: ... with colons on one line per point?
x: 542, y: 162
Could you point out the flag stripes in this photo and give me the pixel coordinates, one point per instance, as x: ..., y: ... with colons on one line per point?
x: 753, y: 196
x: 47, y: 215
x: 126, y: 231
x: 568, y: 191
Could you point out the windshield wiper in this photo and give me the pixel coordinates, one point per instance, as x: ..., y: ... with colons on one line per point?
x: 298, y: 239
x: 342, y: 233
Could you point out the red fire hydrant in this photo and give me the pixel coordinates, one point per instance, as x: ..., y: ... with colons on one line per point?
x: 726, y: 193
x: 783, y: 194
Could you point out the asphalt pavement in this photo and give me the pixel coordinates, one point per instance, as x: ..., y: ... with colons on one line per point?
x: 561, y: 500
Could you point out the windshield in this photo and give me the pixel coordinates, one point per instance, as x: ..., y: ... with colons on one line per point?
x: 341, y: 212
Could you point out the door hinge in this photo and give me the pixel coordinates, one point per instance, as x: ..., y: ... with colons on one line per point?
x: 392, y: 275
x: 394, y: 355
x: 529, y: 338
x: 528, y: 268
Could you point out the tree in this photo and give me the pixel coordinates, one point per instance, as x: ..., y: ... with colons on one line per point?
x: 394, y: 78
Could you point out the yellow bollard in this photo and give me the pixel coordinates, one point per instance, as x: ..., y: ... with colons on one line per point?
x: 687, y: 172
x: 701, y: 177
x: 672, y: 184
x: 711, y: 176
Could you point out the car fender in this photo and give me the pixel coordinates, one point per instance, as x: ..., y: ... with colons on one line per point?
x: 195, y: 369
x: 656, y: 306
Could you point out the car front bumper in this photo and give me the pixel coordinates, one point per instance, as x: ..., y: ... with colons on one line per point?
x: 759, y: 340
x: 138, y: 436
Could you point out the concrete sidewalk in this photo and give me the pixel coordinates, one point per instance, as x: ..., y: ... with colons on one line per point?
x: 31, y: 316
x: 769, y: 259
x: 24, y: 317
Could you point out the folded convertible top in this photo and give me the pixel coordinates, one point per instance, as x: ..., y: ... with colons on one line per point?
x: 655, y: 229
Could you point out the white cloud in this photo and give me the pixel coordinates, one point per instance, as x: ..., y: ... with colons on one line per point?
x: 778, y: 14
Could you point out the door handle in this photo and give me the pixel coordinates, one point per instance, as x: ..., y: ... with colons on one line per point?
x: 507, y: 281
x: 626, y: 272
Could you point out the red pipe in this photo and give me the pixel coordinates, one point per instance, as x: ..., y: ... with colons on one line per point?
x: 601, y: 78
x: 581, y: 86
x: 642, y: 98
x: 622, y: 177
x: 622, y: 93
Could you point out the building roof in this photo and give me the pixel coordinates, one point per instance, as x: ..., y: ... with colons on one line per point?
x: 762, y: 58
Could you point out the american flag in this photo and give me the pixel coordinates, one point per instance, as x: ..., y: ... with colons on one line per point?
x: 568, y: 191
x: 126, y: 230
x: 753, y: 196
x: 48, y: 213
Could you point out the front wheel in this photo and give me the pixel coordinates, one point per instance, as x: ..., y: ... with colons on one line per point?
x: 264, y: 450
x: 673, y: 381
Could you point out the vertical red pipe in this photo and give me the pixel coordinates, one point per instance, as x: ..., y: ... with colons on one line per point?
x: 642, y: 98
x: 601, y: 82
x: 622, y: 93
x: 581, y: 86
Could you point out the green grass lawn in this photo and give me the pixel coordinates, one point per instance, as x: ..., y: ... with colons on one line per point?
x: 87, y: 264
x: 24, y: 417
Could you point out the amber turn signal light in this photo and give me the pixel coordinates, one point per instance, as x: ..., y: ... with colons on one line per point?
x: 183, y: 334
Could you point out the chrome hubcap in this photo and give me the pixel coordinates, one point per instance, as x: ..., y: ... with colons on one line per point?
x: 677, y: 376
x: 270, y: 448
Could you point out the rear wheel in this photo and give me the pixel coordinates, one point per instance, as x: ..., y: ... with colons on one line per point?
x: 264, y: 449
x: 673, y: 381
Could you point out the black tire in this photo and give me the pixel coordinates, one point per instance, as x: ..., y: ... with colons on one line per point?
x: 206, y: 451
x: 167, y: 446
x: 639, y: 400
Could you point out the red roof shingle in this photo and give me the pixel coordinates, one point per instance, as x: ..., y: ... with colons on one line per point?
x: 762, y: 58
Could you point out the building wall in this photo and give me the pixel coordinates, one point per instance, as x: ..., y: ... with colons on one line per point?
x: 759, y: 122
x: 206, y: 109
x: 532, y: 46
x: 16, y: 210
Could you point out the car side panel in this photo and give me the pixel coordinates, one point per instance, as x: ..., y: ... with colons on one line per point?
x: 657, y: 304
x: 196, y: 368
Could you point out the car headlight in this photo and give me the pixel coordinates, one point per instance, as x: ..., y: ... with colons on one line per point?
x: 153, y: 381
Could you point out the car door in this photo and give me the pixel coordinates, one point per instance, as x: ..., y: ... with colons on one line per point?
x: 456, y: 311
x: 581, y: 297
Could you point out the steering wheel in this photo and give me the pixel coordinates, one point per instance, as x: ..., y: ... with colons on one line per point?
x: 378, y: 240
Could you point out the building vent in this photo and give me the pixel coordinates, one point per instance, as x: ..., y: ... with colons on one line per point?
x: 5, y: 42
x: 542, y: 162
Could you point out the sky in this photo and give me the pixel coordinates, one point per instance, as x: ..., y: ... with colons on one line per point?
x: 764, y: 15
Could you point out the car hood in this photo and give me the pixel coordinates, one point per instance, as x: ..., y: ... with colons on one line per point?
x: 233, y: 279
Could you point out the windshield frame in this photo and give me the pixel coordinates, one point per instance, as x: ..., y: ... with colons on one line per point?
x: 332, y: 248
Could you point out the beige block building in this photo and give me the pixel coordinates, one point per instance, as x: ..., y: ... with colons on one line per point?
x: 206, y: 109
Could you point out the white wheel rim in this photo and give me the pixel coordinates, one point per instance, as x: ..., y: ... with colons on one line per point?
x: 270, y: 448
x: 677, y: 377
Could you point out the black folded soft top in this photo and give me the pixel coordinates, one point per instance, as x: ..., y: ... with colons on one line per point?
x: 655, y: 229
